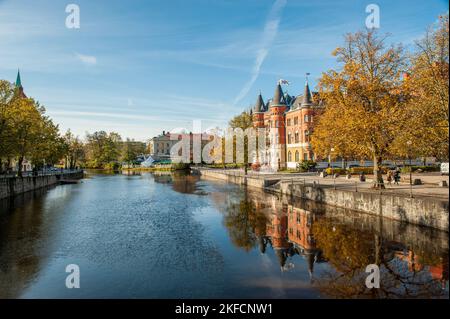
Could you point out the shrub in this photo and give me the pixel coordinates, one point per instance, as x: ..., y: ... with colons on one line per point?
x: 334, y: 170
x: 359, y: 170
x: 305, y: 166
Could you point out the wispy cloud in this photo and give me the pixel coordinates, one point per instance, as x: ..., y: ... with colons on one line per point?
x: 86, y: 59
x: 269, y: 34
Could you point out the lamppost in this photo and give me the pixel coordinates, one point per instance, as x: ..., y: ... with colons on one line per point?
x: 329, y: 159
x: 409, y: 143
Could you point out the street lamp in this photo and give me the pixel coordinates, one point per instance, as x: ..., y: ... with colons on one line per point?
x: 329, y: 160
x: 409, y: 143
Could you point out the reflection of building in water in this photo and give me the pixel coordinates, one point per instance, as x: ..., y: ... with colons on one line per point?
x: 301, y: 235
x: 290, y: 232
x: 276, y: 231
x: 438, y: 271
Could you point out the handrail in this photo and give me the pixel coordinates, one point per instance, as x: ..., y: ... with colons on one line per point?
x: 41, y: 173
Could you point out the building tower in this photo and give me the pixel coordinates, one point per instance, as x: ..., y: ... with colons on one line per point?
x: 19, y: 86
x: 277, y: 136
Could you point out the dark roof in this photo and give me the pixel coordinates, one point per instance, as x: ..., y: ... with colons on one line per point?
x: 307, y: 99
x: 259, y: 106
x: 278, y: 98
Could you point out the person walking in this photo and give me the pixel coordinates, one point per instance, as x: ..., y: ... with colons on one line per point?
x: 397, y: 176
x: 389, y: 177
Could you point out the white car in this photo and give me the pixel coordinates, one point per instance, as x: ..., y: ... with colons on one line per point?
x: 444, y: 168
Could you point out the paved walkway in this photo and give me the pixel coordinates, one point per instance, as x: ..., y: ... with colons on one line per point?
x: 429, y: 188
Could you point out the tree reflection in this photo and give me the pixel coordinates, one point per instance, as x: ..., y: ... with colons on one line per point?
x: 413, y: 263
x: 246, y: 224
x: 350, y: 250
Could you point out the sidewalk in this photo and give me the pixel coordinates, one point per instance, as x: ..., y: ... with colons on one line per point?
x: 429, y: 188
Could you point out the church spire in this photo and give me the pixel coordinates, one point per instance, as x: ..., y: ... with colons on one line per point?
x: 19, y: 86
x: 18, y: 81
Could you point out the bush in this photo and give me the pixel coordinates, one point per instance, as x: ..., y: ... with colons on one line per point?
x: 180, y: 166
x: 334, y: 170
x: 306, y: 166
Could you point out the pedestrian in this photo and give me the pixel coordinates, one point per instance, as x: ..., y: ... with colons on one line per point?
x: 389, y: 177
x: 397, y: 176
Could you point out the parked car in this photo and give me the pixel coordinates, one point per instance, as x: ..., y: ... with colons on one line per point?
x: 444, y: 168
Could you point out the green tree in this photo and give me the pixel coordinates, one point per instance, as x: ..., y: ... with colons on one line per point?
x: 74, y: 150
x: 103, y: 149
x: 131, y: 150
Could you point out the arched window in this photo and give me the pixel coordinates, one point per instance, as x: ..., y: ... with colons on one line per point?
x: 289, y: 156
x: 306, y: 136
x: 297, y: 158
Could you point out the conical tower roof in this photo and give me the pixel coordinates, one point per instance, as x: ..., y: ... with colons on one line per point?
x: 278, y: 98
x: 259, y: 106
x: 307, y: 98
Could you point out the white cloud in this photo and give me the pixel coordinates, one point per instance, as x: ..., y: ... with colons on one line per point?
x: 86, y: 59
x: 269, y: 34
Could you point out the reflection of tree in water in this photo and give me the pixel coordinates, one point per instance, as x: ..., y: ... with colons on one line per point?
x: 413, y: 261
x: 246, y: 224
x: 181, y: 181
x: 350, y: 250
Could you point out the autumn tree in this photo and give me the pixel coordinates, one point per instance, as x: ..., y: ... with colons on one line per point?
x: 427, y: 129
x: 365, y: 101
x: 6, y: 145
x: 242, y: 121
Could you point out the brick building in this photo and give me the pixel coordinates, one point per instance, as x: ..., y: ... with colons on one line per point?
x: 289, y: 122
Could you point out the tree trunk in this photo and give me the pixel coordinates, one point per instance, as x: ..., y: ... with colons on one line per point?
x: 377, y: 173
x: 19, y: 170
x: 1, y: 166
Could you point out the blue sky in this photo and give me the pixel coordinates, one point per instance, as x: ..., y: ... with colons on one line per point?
x: 140, y: 67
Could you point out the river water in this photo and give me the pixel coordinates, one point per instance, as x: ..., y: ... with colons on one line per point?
x: 178, y: 236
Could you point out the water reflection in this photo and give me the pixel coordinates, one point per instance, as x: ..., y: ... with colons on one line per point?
x: 231, y: 242
x: 413, y: 261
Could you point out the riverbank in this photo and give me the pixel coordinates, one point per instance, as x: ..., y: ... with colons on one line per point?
x: 12, y: 186
x: 419, y: 210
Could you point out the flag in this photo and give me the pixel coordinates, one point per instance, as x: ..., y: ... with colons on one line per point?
x: 281, y: 81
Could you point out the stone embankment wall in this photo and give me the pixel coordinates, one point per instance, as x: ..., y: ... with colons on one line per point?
x: 11, y: 186
x: 424, y: 211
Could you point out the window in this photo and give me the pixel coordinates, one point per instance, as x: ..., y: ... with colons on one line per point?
x: 289, y: 138
x: 288, y: 122
x: 306, y: 118
x: 306, y: 136
x: 310, y: 118
x: 297, y: 156
x: 305, y: 156
x: 295, y: 120
x: 296, y: 137
x: 289, y: 156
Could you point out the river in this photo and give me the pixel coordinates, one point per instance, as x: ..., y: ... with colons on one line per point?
x: 178, y: 236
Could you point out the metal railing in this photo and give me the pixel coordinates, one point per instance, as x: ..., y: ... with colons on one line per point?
x: 48, y: 172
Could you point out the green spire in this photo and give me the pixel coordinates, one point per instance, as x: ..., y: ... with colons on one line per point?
x: 18, y: 81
